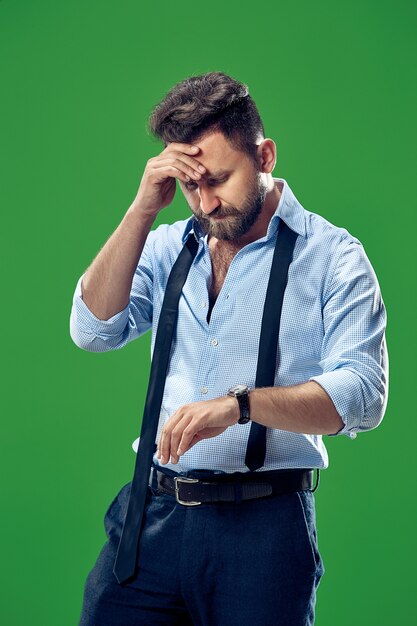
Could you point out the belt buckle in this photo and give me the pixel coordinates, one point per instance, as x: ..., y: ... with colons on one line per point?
x: 178, y: 479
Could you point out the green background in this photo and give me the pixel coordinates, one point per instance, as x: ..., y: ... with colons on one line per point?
x: 335, y: 86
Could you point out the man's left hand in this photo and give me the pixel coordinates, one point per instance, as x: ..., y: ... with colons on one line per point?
x: 193, y: 422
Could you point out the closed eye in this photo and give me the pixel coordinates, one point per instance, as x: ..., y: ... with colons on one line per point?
x: 191, y: 186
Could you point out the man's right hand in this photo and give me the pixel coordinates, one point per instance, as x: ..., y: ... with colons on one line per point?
x: 157, y: 187
x: 107, y: 283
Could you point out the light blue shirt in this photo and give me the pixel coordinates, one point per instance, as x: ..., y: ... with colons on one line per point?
x: 332, y: 331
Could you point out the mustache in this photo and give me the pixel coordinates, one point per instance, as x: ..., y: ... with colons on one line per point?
x: 219, y: 212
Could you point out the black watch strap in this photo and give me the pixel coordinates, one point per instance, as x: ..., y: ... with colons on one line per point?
x: 241, y: 393
x: 243, y: 400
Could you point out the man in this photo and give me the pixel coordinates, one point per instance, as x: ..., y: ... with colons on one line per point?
x: 243, y: 549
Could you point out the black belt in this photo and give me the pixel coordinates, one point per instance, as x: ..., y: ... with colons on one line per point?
x: 234, y: 487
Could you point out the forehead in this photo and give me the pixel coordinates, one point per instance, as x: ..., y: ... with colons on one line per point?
x: 217, y: 155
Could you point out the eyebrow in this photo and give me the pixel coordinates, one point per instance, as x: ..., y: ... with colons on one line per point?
x: 217, y: 174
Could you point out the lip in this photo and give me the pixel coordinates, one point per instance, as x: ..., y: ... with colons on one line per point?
x: 219, y: 217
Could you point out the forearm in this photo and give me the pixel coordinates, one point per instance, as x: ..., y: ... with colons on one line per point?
x: 107, y: 283
x: 304, y: 408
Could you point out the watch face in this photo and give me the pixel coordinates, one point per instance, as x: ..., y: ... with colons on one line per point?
x: 237, y: 390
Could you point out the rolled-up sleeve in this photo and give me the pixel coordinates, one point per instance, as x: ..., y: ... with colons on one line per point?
x: 354, y: 354
x: 95, y: 335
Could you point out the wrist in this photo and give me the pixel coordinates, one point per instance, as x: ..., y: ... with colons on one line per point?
x: 241, y: 395
x: 141, y: 215
x: 234, y: 408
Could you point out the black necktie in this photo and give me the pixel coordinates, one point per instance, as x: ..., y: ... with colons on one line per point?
x: 126, y: 558
x: 125, y: 563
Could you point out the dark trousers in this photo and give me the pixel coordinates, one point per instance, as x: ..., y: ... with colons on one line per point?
x: 253, y: 563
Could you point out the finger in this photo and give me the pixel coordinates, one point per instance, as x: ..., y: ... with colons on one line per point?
x: 160, y: 446
x: 181, y: 430
x: 183, y: 444
x: 165, y: 438
x: 188, y: 148
x: 169, y: 171
x: 191, y: 169
x: 183, y: 447
x: 190, y: 435
x: 193, y: 163
x: 163, y: 448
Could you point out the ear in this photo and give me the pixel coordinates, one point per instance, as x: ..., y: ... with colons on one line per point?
x: 267, y: 155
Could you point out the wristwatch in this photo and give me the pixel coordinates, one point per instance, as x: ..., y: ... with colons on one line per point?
x: 241, y: 393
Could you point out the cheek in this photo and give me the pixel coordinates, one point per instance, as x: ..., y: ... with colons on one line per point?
x: 193, y: 199
x: 233, y: 195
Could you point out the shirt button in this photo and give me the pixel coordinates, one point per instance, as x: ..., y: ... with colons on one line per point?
x: 203, y: 304
x: 214, y: 342
x: 227, y: 296
x: 204, y: 390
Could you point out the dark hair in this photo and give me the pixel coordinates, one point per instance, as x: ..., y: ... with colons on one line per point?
x: 203, y: 104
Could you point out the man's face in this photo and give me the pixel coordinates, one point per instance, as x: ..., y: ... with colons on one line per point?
x: 228, y: 198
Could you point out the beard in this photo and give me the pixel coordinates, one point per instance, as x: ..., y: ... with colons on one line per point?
x: 237, y: 220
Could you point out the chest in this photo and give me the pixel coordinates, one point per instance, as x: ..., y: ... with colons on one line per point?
x: 234, y: 287
x: 220, y: 263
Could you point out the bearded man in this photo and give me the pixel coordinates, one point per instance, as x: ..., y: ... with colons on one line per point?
x: 268, y: 332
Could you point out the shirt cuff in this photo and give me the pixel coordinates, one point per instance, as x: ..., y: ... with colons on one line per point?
x: 84, y: 320
x: 345, y: 391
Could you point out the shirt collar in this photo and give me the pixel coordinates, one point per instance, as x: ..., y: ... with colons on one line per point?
x: 193, y: 226
x: 288, y: 209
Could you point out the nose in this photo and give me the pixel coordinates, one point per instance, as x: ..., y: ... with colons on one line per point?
x: 208, y: 201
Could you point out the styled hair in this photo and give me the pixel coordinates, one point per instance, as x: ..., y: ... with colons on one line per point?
x: 200, y: 105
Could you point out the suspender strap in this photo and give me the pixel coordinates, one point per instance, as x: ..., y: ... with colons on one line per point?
x: 125, y: 563
x: 268, y: 343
